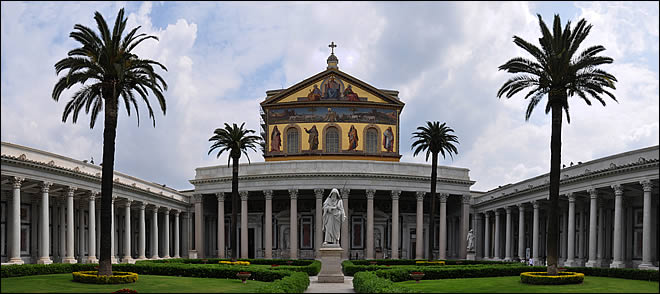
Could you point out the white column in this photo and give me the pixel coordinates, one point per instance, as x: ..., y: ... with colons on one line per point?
x: 535, y: 233
x: 15, y: 231
x: 186, y: 232
x: 199, y: 225
x: 318, y: 229
x: 244, y: 223
x: 127, y: 232
x: 268, y: 243
x: 44, y: 243
x: 113, y: 247
x: 69, y: 227
x: 465, y: 225
x: 395, y: 223
x: 521, y: 231
x: 508, y: 234
x: 442, y: 247
x: 166, y: 232
x: 419, y: 250
x: 221, y: 224
x: 593, y: 237
x: 176, y: 234
x: 497, y: 255
x: 487, y: 236
x: 370, y: 223
x: 293, y: 224
x: 647, y: 261
x: 570, y: 258
x: 92, y: 228
x: 154, y: 234
x: 142, y: 233
x: 618, y: 227
x: 98, y: 225
x: 344, y: 238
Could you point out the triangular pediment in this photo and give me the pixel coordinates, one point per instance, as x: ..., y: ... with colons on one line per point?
x: 332, y: 86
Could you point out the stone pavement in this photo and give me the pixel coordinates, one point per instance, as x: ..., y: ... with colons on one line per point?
x: 316, y: 287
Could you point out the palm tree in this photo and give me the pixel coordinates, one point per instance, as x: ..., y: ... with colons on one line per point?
x: 106, y: 62
x: 236, y: 140
x: 434, y: 138
x: 558, y: 72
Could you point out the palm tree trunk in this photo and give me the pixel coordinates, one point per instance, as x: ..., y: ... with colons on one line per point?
x: 109, y: 136
x: 555, y: 162
x: 434, y: 176
x: 234, y: 205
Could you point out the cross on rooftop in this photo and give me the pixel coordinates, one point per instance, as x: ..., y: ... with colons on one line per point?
x: 332, y: 47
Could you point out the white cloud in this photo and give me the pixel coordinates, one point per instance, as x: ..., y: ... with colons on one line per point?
x: 222, y: 57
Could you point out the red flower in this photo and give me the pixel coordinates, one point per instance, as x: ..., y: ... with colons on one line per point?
x: 417, y: 273
x: 243, y: 273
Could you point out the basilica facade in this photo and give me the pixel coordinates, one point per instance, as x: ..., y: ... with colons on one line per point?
x: 329, y: 131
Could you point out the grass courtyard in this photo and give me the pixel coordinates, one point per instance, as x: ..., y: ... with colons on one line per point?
x: 63, y: 283
x: 512, y: 284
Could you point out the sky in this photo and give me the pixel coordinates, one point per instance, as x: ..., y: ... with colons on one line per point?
x: 442, y: 57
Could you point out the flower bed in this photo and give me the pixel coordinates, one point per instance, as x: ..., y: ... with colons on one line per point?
x: 434, y: 262
x: 234, y: 262
x: 542, y: 278
x: 93, y: 277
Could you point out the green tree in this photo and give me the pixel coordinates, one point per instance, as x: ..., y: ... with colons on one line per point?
x: 236, y: 141
x: 559, y: 73
x: 434, y: 138
x: 106, y: 69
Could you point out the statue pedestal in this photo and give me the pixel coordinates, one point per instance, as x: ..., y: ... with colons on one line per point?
x: 471, y: 255
x: 331, y: 264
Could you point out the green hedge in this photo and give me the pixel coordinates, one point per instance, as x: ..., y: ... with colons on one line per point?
x: 413, y: 261
x: 297, y: 282
x: 456, y: 272
x: 294, y: 262
x: 368, y: 282
x: 7, y: 271
x: 349, y: 267
x: 623, y: 273
x: 311, y: 267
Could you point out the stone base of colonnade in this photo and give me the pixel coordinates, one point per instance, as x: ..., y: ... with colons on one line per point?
x: 331, y: 264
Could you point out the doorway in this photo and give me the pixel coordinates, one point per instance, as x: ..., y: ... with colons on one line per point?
x: 250, y: 242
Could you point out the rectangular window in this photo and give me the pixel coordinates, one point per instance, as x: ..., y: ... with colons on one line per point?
x: 357, y: 236
x: 306, y: 230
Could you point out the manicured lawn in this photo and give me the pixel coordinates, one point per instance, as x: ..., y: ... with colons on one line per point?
x: 63, y: 283
x: 513, y: 285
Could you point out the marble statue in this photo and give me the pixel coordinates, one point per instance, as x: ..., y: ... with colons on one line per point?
x: 333, y: 216
x: 470, y: 241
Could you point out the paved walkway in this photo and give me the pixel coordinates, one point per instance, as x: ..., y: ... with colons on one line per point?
x: 316, y: 287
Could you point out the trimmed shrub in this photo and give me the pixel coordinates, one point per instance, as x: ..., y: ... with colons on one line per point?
x: 349, y: 268
x: 297, y: 282
x: 542, y: 278
x: 455, y: 272
x: 368, y: 282
x: 623, y: 273
x: 92, y: 277
x: 414, y: 261
x: 8, y: 271
x: 311, y: 267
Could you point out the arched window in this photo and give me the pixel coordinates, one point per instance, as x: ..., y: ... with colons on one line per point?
x: 372, y: 141
x: 332, y: 140
x: 292, y: 141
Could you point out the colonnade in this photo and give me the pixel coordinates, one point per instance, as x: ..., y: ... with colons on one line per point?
x: 318, y: 239
x: 595, y: 255
x: 64, y: 227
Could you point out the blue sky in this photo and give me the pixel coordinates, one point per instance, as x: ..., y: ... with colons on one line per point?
x: 441, y: 56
